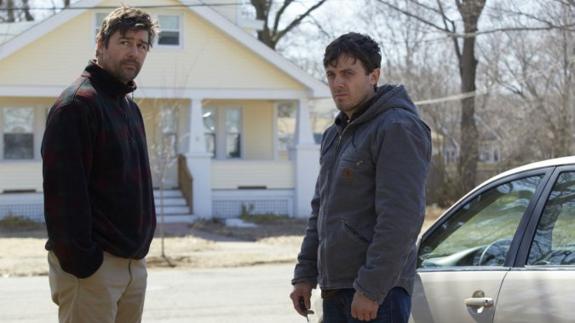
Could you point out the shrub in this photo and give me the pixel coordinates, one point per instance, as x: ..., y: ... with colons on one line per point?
x: 18, y: 222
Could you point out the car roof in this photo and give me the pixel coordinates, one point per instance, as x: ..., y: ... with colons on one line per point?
x: 562, y: 161
x: 540, y: 164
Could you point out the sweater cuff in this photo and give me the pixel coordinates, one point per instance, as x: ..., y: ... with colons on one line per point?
x: 312, y: 282
x: 82, y: 264
x: 376, y: 298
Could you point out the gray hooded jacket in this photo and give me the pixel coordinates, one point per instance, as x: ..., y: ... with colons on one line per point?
x: 369, y: 201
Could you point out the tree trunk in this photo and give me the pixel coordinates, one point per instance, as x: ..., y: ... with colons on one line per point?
x: 470, y: 11
x: 271, y: 32
x: 10, y: 16
x: 265, y: 37
x: 568, y: 103
x: 26, y: 8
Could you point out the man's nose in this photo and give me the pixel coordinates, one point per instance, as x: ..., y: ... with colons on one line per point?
x: 133, y: 51
x: 338, y: 81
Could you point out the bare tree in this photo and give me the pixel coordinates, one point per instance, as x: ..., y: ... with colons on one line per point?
x: 540, y: 71
x: 10, y: 15
x: 12, y: 11
x: 26, y: 11
x: 272, y: 32
x: 470, y: 11
x: 464, y: 47
x: 534, y: 123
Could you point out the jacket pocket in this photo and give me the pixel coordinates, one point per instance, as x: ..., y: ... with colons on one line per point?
x: 354, y: 233
x: 345, y: 255
x: 355, y: 168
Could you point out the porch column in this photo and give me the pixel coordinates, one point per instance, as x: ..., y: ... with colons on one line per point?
x: 306, y: 161
x: 199, y: 162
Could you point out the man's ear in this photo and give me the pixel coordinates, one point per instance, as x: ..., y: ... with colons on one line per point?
x: 99, y: 46
x: 374, y: 76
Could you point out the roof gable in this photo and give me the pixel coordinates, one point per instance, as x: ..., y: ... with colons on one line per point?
x: 316, y: 88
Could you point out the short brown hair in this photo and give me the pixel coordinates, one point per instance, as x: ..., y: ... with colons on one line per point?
x: 125, y: 19
x: 357, y: 46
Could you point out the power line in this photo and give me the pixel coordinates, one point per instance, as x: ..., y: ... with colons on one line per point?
x: 455, y: 97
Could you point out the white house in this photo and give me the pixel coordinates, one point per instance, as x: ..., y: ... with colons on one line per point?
x: 209, y: 92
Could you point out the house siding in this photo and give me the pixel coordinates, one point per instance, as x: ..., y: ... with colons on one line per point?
x: 208, y: 58
x: 20, y: 176
x: 232, y: 174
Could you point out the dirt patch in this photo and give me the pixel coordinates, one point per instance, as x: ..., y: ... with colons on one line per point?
x: 210, y: 244
x: 206, y: 244
x: 279, y: 227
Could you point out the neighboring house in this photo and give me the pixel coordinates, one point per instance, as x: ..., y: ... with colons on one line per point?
x: 209, y: 91
x: 490, y: 145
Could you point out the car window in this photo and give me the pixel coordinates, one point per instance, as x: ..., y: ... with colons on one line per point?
x: 480, y: 232
x: 554, y: 241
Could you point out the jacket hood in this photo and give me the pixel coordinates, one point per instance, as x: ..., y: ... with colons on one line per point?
x: 387, y: 97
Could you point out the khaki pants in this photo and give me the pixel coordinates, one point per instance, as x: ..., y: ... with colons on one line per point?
x: 113, y: 294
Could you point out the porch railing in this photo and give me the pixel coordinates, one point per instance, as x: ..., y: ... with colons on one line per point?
x: 186, y: 181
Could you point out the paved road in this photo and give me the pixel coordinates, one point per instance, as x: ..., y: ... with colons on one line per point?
x: 236, y: 295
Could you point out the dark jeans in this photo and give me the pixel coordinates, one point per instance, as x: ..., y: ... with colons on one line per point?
x: 395, y: 308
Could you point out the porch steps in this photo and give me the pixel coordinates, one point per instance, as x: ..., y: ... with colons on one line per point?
x: 176, y: 209
x: 31, y: 205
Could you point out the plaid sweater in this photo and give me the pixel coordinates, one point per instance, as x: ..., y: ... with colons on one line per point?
x: 97, y: 184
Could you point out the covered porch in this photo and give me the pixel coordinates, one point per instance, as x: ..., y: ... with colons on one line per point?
x: 243, y: 155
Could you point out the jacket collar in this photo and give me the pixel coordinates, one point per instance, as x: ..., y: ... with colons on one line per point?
x: 342, y: 120
x: 106, y: 82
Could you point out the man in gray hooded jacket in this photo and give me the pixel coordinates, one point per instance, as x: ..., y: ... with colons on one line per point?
x: 369, y: 198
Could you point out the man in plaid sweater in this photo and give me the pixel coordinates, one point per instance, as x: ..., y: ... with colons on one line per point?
x: 98, y: 197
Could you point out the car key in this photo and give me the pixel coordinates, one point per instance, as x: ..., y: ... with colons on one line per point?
x: 304, y: 309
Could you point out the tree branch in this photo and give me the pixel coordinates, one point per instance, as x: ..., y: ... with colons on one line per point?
x: 279, y: 14
x: 424, y: 6
x: 416, y: 17
x: 453, y: 29
x: 451, y: 32
x: 297, y: 21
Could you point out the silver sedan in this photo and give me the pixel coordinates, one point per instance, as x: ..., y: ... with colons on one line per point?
x: 504, y: 253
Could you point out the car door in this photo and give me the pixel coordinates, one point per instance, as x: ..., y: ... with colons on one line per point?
x: 464, y: 257
x: 541, y: 288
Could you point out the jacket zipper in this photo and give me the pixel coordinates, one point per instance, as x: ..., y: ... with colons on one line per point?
x: 324, y: 220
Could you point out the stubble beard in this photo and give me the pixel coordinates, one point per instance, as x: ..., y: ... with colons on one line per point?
x: 127, y: 75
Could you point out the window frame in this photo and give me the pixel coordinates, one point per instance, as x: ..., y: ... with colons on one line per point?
x: 519, y: 235
x: 155, y: 16
x: 278, y: 149
x: 180, y: 44
x: 220, y: 131
x: 34, y: 134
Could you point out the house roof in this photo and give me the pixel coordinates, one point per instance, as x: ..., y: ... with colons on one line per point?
x: 31, y: 32
x: 10, y: 30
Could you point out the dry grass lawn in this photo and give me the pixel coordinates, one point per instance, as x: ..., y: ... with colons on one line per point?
x: 206, y: 244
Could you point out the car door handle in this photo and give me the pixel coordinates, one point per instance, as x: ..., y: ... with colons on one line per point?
x: 479, y: 301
